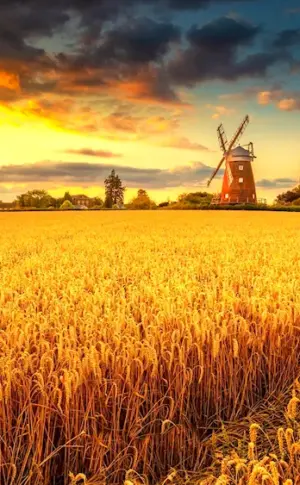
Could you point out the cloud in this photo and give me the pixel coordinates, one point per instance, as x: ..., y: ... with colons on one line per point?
x: 280, y: 183
x: 244, y: 95
x: 93, y: 153
x: 287, y: 38
x: 125, y: 61
x: 9, y: 81
x: 122, y: 60
x: 148, y: 84
x: 284, y: 100
x: 213, y: 50
x: 139, y: 42
x: 197, y: 4
x: 91, y: 174
x: 28, y: 21
x: 223, y: 33
x: 109, y: 51
x: 220, y: 111
x: 183, y: 143
x: 289, y: 104
x: 139, y: 127
x: 9, y: 86
x: 128, y: 61
x: 143, y: 82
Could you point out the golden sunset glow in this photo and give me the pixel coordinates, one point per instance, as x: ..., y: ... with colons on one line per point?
x: 146, y: 95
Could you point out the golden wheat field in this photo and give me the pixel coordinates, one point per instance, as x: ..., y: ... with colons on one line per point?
x: 140, y: 347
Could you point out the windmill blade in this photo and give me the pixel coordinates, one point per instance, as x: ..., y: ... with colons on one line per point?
x: 238, y: 133
x: 222, y: 138
x: 233, y: 141
x: 216, y: 171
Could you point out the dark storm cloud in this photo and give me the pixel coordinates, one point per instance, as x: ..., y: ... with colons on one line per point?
x: 197, y: 4
x: 288, y: 38
x: 21, y: 22
x: 223, y: 33
x: 33, y: 18
x: 130, y: 57
x: 14, y: 47
x: 29, y: 20
x: 94, y: 153
x: 129, y: 46
x: 71, y: 173
x: 276, y: 183
x: 140, y: 41
x: 110, y: 7
x: 213, y: 54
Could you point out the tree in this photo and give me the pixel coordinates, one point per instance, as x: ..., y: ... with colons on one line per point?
x: 97, y: 202
x: 114, y: 190
x: 66, y: 205
x: 35, y: 198
x: 67, y: 196
x: 195, y: 198
x: 142, y: 201
x: 289, y: 197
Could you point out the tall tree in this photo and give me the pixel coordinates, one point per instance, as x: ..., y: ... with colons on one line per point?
x: 114, y: 190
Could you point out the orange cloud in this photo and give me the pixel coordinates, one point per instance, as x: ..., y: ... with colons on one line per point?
x: 139, y: 127
x: 285, y: 101
x: 183, y: 143
x: 159, y: 125
x: 148, y: 85
x: 220, y: 111
x: 264, y: 97
x: 9, y: 81
x: 120, y: 122
x: 289, y: 104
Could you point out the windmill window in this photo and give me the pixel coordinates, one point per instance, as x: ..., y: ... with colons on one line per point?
x: 241, y: 180
x: 241, y: 167
x: 227, y: 196
x: 253, y: 196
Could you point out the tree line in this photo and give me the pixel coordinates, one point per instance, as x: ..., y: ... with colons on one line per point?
x: 114, y: 199
x: 291, y: 197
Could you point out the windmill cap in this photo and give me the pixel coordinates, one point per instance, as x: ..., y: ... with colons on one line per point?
x: 239, y: 152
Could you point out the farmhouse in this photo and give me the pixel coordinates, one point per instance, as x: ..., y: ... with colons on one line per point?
x: 6, y: 205
x: 82, y: 200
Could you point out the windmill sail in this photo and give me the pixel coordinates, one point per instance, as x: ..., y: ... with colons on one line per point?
x: 233, y: 141
x: 229, y: 174
x: 238, y: 180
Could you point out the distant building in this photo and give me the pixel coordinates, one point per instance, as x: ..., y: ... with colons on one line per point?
x: 7, y: 205
x: 82, y: 200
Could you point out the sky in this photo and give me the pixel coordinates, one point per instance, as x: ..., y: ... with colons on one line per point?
x: 141, y: 86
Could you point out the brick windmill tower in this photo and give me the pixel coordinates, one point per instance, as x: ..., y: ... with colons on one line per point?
x: 238, y: 181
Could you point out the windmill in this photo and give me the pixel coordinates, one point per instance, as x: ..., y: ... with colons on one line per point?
x: 238, y: 181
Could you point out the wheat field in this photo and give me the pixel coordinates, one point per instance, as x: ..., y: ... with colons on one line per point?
x: 130, y: 342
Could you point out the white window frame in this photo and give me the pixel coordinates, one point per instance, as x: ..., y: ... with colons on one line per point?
x: 226, y: 196
x: 241, y: 180
x: 241, y: 167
